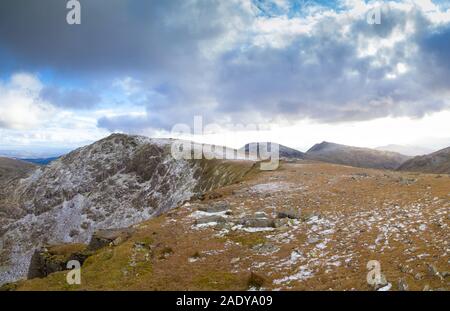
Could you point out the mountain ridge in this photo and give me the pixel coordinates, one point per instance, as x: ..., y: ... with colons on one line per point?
x: 284, y: 151
x: 355, y: 156
x: 437, y: 162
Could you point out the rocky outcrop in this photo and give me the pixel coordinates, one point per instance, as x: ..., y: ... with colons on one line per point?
x: 53, y: 258
x: 105, y: 237
x: 114, y: 183
x: 289, y: 213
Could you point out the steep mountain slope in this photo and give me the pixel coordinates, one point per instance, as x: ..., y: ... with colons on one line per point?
x: 113, y: 183
x: 355, y: 156
x: 437, y: 162
x: 284, y: 152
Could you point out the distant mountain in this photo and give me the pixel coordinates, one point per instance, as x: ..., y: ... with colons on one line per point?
x: 437, y: 162
x: 284, y: 152
x: 31, y: 153
x: 405, y: 149
x: 11, y: 168
x: 355, y: 156
x: 11, y: 171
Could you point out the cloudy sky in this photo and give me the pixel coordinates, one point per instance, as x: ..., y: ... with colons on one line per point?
x: 301, y: 71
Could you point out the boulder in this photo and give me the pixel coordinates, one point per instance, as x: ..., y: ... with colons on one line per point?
x: 106, y: 237
x: 289, y: 213
x: 210, y: 219
x: 215, y: 207
x: 313, y: 240
x: 402, y: 285
x: 433, y: 271
x: 280, y: 222
x: 256, y: 280
x: 419, y: 276
x: 53, y: 258
x: 258, y: 223
x: 380, y: 283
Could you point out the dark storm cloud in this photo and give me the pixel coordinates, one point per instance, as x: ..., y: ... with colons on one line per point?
x: 70, y: 99
x: 128, y: 123
x: 179, y: 51
x: 114, y: 35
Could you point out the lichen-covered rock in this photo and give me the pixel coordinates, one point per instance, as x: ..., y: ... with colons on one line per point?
x: 380, y: 283
x: 289, y: 213
x: 402, y: 285
x: 258, y: 223
x: 215, y: 207
x: 210, y: 219
x: 54, y: 258
x: 107, y: 237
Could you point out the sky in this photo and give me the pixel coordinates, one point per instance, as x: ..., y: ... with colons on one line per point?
x: 297, y: 72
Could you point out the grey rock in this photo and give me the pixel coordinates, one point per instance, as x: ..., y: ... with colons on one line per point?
x: 106, y: 237
x: 313, y: 240
x: 260, y: 215
x: 265, y: 248
x: 419, y: 276
x: 380, y: 282
x: 210, y: 219
x: 280, y: 222
x: 432, y: 270
x: 402, y: 285
x: 258, y: 223
x: 292, y: 214
x: 48, y: 259
x: 215, y: 207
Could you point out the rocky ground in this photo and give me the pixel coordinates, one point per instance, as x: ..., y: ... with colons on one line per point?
x: 306, y: 226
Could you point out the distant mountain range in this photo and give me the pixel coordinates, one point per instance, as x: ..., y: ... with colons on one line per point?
x: 13, y: 169
x: 437, y: 162
x: 355, y: 156
x: 408, y: 150
x: 43, y: 157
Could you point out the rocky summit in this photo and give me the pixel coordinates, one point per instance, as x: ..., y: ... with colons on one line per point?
x: 114, y: 183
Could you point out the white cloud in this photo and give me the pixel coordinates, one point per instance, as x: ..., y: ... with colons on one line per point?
x: 20, y: 104
x: 27, y: 119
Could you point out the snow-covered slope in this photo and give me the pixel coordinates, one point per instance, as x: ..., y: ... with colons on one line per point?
x: 113, y: 183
